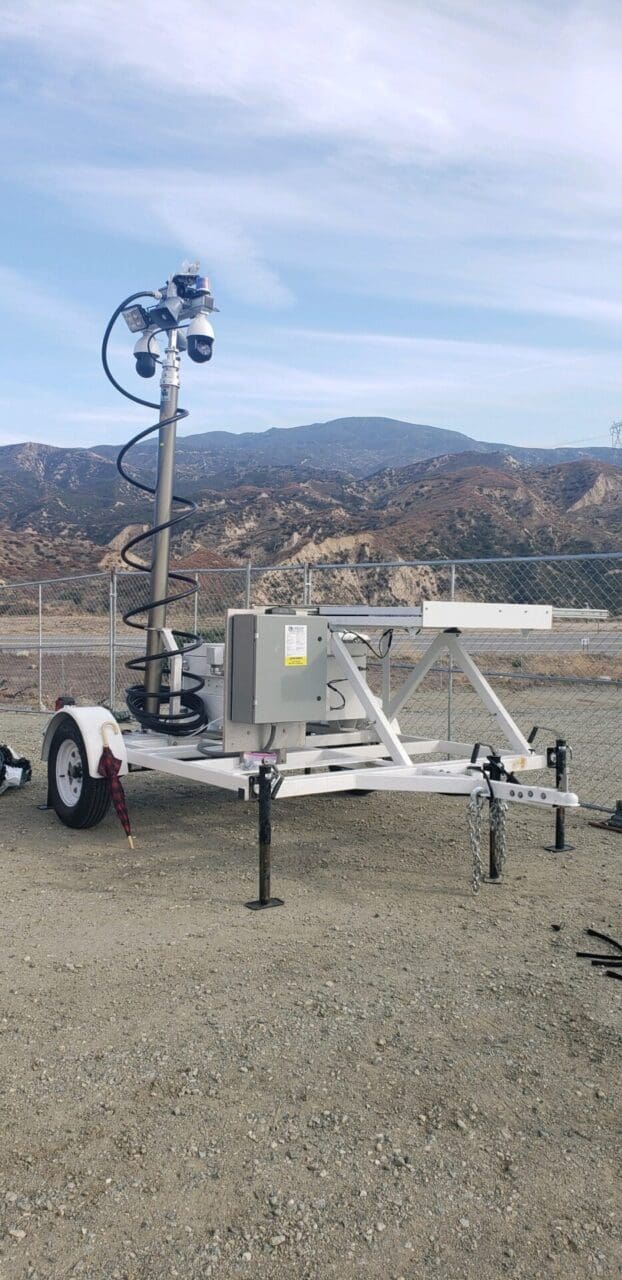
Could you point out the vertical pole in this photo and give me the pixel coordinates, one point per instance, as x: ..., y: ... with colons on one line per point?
x: 386, y: 682
x: 249, y: 585
x: 309, y: 585
x: 41, y: 706
x: 112, y: 637
x: 195, y: 620
x: 450, y: 677
x: 169, y: 386
x: 264, y: 794
x: 561, y: 777
x: 561, y: 782
x: 265, y: 834
x: 305, y: 584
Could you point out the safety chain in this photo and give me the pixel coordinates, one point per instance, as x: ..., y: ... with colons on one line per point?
x: 474, y: 823
x: 498, y: 824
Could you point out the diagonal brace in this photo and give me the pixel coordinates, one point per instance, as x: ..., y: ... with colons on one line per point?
x: 374, y: 713
x: 487, y: 695
x: 412, y: 682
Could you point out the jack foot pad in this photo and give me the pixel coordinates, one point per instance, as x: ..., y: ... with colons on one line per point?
x: 258, y: 905
x: 552, y: 848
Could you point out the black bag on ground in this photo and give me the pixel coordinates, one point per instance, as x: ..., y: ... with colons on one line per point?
x: 15, y: 770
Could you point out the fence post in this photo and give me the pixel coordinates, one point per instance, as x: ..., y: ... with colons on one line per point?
x: 195, y: 622
x: 450, y: 675
x: 41, y: 706
x: 112, y: 636
x: 306, y: 587
x: 249, y: 570
x: 386, y: 681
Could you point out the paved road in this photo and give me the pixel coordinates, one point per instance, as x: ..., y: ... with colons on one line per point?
x: 608, y: 643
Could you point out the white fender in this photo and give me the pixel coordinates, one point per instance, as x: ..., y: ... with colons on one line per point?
x: 90, y: 721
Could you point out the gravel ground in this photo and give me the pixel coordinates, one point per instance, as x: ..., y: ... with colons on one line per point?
x: 387, y: 1077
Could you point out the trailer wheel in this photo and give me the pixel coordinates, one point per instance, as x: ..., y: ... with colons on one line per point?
x: 77, y: 799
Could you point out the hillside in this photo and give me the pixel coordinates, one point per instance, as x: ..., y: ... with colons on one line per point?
x: 354, y: 446
x: 456, y: 506
x: 64, y: 511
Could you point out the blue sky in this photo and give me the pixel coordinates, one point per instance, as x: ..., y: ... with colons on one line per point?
x: 406, y: 208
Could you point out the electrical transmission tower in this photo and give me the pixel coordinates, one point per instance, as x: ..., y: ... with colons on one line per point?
x: 615, y: 431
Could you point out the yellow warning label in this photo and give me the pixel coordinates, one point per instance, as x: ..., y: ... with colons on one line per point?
x: 295, y: 644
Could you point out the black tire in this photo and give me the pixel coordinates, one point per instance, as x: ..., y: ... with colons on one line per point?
x: 91, y: 804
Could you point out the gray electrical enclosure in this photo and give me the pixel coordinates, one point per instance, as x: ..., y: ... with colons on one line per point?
x: 278, y: 668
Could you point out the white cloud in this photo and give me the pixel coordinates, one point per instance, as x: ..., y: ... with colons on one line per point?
x: 457, y: 80
x: 299, y: 375
x: 196, y: 214
x: 351, y: 157
x: 440, y: 242
x: 280, y: 377
x: 470, y: 155
x: 62, y: 319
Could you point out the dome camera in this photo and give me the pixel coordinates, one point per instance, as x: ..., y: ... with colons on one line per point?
x: 146, y: 353
x: 200, y: 339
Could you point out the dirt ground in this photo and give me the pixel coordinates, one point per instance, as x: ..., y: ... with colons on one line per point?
x: 386, y: 1077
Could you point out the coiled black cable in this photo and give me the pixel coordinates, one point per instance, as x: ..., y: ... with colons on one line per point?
x: 192, y: 716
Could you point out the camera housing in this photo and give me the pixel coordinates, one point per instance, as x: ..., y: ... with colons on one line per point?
x: 200, y: 337
x: 145, y: 365
x: 184, y: 300
x: 146, y: 353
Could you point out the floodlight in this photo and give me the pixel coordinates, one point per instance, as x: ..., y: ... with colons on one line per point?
x: 135, y: 318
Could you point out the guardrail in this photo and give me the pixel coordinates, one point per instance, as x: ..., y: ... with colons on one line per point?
x: 582, y: 615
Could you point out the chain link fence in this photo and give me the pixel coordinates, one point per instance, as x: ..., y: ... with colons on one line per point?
x: 67, y: 637
x: 568, y: 680
x: 55, y: 636
x: 20, y: 644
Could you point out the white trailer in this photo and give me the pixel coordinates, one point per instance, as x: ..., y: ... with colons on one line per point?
x: 284, y: 707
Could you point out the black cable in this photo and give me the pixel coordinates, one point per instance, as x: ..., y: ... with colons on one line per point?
x: 388, y: 636
x: 604, y: 937
x: 330, y: 684
x: 193, y: 716
x: 378, y: 653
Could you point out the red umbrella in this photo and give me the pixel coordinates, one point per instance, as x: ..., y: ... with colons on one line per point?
x: 109, y: 767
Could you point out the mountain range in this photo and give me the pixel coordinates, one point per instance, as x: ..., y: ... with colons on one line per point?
x: 350, y: 489
x: 355, y: 446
